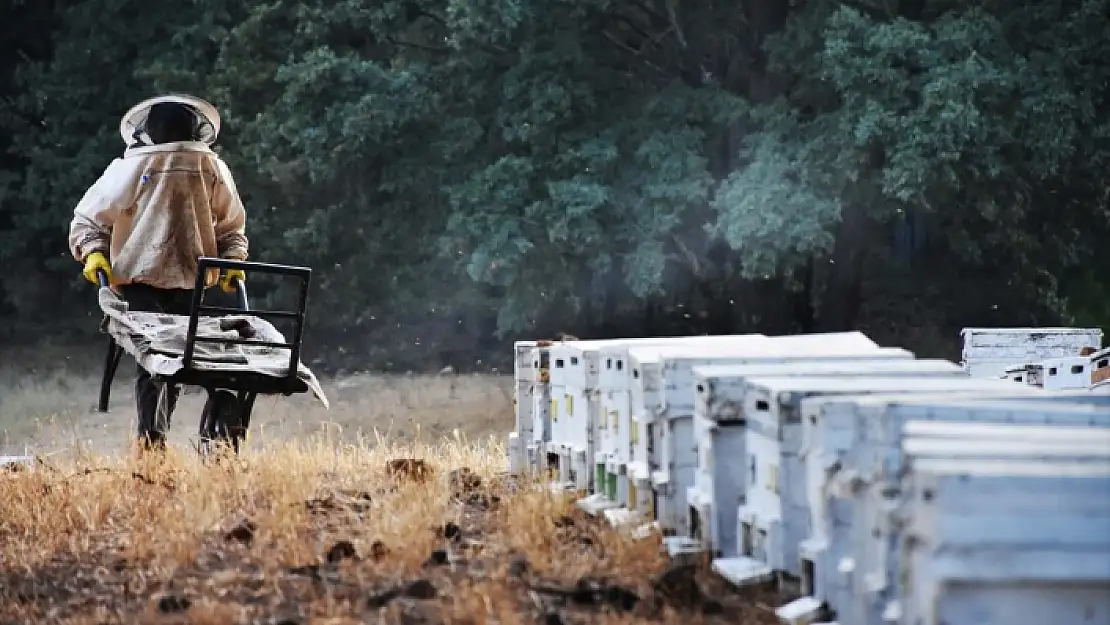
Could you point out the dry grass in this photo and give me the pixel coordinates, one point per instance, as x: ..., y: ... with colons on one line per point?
x: 49, y: 408
x: 95, y: 535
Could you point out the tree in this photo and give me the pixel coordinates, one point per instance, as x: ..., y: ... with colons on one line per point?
x: 460, y: 172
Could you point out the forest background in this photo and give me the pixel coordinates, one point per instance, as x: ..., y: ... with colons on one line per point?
x: 460, y: 173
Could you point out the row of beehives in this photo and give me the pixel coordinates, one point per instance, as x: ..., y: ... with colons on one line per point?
x: 1064, y: 373
x: 1052, y: 358
x: 870, y: 485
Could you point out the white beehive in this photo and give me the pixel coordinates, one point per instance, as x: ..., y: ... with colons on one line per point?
x: 618, y: 432
x: 578, y: 411
x: 614, y: 416
x: 860, y: 438
x: 997, y: 543
x: 880, y: 428
x: 522, y: 359
x: 830, y: 429
x: 877, y: 537
x: 1016, y: 373
x: 648, y: 467
x: 597, y: 387
x: 987, y: 352
x: 535, y: 446
x: 516, y: 455
x: 1054, y: 398
x: 678, y: 373
x: 831, y: 424
x: 574, y: 380
x: 523, y: 405
x: 718, y: 431
x: 1061, y: 374
x: 773, y: 513
x: 670, y: 410
x: 871, y: 586
x: 917, y: 436
x: 678, y: 444
x: 1100, y: 366
x: 645, y: 386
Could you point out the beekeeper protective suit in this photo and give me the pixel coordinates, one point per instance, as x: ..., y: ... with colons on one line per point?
x: 152, y: 214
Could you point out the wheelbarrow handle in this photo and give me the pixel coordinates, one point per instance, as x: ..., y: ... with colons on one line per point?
x: 111, y: 359
x: 240, y: 288
x: 241, y: 294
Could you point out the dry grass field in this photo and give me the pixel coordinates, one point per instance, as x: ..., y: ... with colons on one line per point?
x: 310, y: 525
x: 47, y: 407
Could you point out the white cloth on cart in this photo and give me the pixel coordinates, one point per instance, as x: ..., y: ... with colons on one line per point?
x: 157, y: 342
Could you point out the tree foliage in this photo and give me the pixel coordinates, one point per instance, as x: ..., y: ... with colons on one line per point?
x: 458, y: 172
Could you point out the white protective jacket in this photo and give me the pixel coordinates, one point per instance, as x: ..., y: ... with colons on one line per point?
x: 158, y: 209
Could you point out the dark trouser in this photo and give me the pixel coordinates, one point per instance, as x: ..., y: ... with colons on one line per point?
x: 155, y: 424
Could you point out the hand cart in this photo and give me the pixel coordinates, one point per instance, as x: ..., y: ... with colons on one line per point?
x: 232, y: 390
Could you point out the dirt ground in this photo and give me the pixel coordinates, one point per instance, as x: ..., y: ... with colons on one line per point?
x: 317, y: 541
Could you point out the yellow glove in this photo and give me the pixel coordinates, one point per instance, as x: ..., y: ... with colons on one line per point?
x: 227, y: 282
x: 96, y: 262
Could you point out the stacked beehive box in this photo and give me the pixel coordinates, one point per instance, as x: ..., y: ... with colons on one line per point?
x: 784, y: 457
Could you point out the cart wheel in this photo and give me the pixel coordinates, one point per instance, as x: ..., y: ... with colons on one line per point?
x: 223, y: 421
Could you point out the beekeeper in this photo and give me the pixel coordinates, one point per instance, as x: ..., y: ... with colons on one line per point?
x: 152, y: 214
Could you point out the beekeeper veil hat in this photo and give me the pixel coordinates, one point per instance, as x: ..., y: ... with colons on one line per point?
x: 132, y: 127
